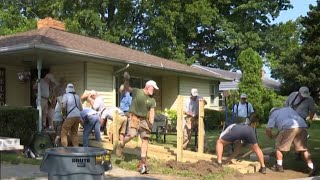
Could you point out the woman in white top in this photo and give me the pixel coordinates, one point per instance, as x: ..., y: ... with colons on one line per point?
x: 71, y: 108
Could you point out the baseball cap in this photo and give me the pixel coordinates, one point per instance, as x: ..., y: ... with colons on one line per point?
x: 194, y: 92
x: 304, y: 91
x: 70, y: 88
x: 152, y: 83
x: 243, y: 95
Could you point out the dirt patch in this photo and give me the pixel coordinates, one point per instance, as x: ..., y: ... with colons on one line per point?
x: 200, y: 168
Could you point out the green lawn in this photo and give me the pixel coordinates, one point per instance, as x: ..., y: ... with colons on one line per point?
x: 264, y: 141
x: 158, y: 166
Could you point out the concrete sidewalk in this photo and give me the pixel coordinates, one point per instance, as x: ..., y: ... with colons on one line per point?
x: 26, y: 171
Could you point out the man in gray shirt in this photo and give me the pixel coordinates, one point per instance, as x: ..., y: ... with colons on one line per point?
x: 292, y: 129
x: 302, y: 102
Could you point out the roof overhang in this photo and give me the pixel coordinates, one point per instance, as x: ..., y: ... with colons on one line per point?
x: 40, y: 49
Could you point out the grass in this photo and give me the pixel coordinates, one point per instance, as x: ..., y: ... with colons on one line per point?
x: 158, y: 166
x: 17, y: 158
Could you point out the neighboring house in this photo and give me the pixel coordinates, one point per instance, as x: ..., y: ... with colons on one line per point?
x: 235, y: 77
x: 91, y: 63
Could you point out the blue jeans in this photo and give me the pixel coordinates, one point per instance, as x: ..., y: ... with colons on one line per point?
x: 92, y: 122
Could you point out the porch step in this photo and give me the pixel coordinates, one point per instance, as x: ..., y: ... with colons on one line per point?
x: 7, y: 143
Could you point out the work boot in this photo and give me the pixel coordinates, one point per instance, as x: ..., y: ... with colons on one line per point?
x: 312, y: 172
x: 263, y: 170
x: 277, y: 168
x: 119, y: 149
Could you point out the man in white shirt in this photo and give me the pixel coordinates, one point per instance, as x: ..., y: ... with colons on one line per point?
x: 45, y: 84
x: 106, y: 115
x: 242, y: 110
x: 191, y: 110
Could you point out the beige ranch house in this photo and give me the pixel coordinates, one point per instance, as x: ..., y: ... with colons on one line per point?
x: 91, y: 63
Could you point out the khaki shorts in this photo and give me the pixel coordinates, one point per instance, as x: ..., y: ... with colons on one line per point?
x: 122, y: 123
x: 139, y: 125
x: 297, y: 136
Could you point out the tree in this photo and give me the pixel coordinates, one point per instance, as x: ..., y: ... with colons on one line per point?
x: 13, y: 18
x: 250, y: 83
x: 211, y: 32
x: 302, y: 67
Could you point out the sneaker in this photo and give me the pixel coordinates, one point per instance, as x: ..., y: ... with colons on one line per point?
x: 312, y: 172
x: 263, y: 170
x: 217, y: 165
x: 119, y: 149
x: 277, y: 168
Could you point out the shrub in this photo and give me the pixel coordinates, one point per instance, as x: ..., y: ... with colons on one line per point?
x: 18, y: 122
x: 214, y: 119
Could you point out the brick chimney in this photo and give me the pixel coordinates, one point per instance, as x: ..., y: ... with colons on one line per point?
x: 49, y: 22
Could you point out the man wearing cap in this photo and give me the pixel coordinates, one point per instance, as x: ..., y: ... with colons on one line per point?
x: 142, y: 111
x: 71, y: 108
x: 242, y: 110
x: 46, y: 84
x: 302, y: 102
x: 191, y: 110
x: 292, y: 129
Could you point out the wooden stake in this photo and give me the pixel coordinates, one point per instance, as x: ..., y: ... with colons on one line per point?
x: 201, y: 127
x: 115, y: 129
x: 180, y: 129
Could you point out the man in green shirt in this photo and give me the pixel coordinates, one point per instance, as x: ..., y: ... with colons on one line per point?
x: 142, y: 112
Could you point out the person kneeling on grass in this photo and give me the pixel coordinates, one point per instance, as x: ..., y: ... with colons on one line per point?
x: 236, y: 133
x: 292, y: 129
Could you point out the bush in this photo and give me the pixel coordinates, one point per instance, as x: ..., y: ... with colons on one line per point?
x: 214, y: 118
x: 18, y: 122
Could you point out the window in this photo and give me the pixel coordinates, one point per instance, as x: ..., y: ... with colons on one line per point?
x: 221, y: 98
x: 212, y: 94
x: 2, y: 86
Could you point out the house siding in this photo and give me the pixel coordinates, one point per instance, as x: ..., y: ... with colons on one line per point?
x: 203, y: 86
x: 17, y: 92
x: 169, y: 91
x: 100, y: 78
x: 73, y: 73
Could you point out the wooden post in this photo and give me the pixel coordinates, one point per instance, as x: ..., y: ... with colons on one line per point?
x: 180, y: 129
x: 201, y: 127
x: 115, y: 129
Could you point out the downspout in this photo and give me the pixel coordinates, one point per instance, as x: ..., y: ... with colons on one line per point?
x: 39, y: 66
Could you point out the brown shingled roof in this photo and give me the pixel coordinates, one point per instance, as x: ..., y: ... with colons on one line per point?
x: 57, y: 39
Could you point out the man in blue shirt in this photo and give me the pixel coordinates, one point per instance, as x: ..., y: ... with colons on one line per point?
x: 125, y: 100
x: 125, y: 103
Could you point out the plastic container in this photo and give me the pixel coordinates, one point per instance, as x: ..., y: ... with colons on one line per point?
x: 76, y: 163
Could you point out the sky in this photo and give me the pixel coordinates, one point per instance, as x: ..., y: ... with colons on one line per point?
x: 300, y: 8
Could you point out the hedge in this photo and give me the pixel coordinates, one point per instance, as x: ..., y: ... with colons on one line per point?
x: 18, y: 122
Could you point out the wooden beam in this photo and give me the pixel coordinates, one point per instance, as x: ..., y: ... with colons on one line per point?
x: 180, y: 129
x: 115, y: 129
x: 201, y: 127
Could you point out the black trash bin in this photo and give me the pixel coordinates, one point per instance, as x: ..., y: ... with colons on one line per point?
x: 76, y: 163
